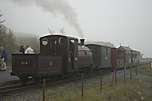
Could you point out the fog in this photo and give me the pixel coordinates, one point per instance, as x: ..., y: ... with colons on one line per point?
x: 125, y: 22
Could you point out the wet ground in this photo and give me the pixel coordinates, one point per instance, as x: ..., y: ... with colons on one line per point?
x: 5, y: 76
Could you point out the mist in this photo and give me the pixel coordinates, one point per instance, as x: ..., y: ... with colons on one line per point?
x: 56, y: 7
x: 125, y: 22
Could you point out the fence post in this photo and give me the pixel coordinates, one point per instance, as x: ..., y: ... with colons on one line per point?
x: 125, y: 64
x: 101, y: 84
x: 150, y: 65
x: 82, y: 84
x: 125, y: 73
x: 137, y: 70
x: 114, y: 63
x: 114, y: 76
x: 44, y: 89
x: 130, y: 73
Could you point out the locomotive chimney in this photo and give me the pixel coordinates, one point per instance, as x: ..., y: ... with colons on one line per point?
x: 82, y: 41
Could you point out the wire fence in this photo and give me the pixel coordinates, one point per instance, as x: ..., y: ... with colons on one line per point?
x: 78, y: 88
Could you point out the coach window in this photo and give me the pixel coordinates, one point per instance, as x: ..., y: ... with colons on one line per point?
x: 72, y: 41
x: 106, y: 53
x: 44, y: 42
x: 55, y: 42
x: 72, y: 45
x: 60, y: 40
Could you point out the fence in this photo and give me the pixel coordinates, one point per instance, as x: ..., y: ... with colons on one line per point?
x: 79, y: 88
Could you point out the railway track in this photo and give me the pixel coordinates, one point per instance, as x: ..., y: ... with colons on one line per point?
x: 31, y: 84
x: 14, y: 87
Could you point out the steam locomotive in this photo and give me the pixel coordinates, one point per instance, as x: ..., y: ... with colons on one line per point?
x: 60, y: 55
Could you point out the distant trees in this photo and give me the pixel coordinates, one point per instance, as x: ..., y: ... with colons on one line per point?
x: 6, y: 37
x: 28, y: 39
x: 2, y: 30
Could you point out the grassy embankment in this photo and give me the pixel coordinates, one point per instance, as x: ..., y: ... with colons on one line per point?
x: 138, y: 89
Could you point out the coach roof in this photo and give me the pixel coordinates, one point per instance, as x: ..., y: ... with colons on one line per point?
x: 100, y: 43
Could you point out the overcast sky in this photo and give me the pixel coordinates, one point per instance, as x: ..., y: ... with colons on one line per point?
x: 128, y: 22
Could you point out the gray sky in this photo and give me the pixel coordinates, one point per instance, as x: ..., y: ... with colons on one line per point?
x: 128, y: 22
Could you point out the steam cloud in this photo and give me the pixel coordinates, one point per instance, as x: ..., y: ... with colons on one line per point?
x: 56, y: 6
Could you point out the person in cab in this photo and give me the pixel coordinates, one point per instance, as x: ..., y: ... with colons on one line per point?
x: 29, y: 50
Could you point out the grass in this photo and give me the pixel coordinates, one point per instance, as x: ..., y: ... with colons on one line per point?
x: 123, y: 91
x: 137, y: 89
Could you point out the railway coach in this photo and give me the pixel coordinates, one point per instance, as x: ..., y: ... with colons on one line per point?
x: 104, y: 55
x: 127, y: 57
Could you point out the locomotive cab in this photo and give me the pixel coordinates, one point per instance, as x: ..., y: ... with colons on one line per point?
x: 60, y: 46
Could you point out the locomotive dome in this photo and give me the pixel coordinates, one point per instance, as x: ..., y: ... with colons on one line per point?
x: 83, y: 48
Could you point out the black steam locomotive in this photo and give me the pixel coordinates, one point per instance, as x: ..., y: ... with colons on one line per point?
x: 58, y: 55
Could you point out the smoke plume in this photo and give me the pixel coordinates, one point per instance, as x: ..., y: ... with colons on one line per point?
x: 56, y: 6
